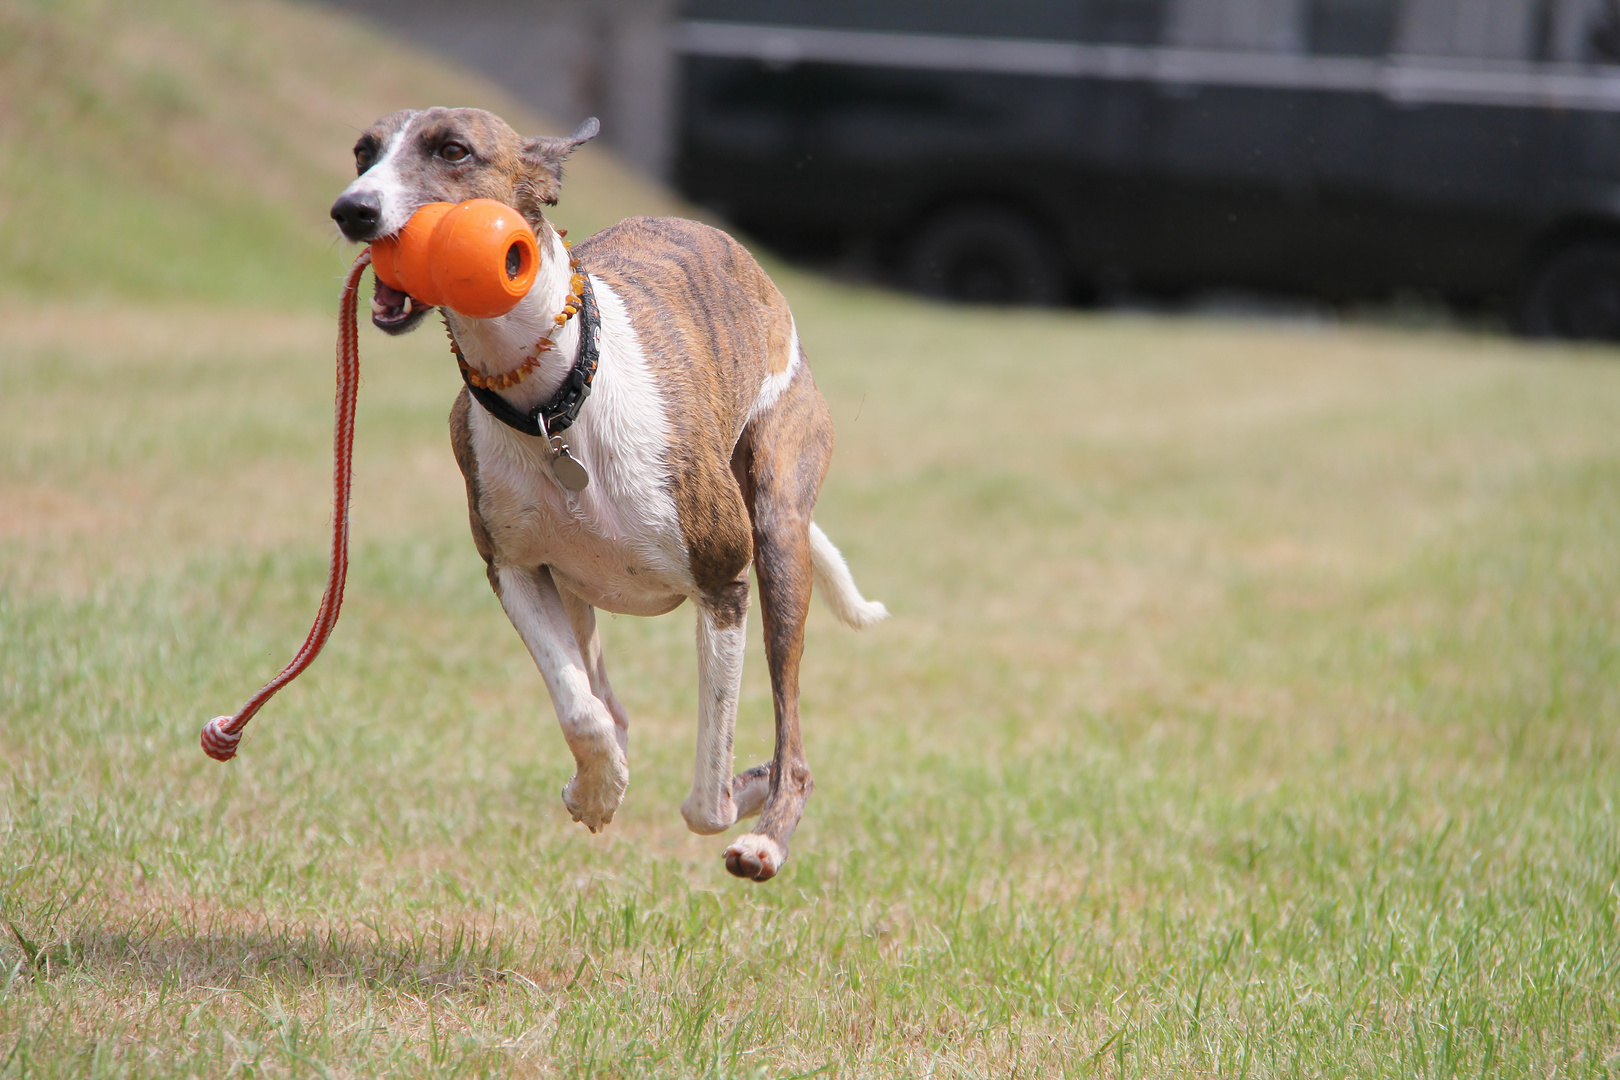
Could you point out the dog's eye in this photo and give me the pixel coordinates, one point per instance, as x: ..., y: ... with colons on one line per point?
x: 454, y: 152
x: 364, y: 157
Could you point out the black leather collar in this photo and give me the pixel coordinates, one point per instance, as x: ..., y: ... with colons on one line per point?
x: 562, y: 410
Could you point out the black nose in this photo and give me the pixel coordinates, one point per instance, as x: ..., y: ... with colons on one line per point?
x: 357, y: 214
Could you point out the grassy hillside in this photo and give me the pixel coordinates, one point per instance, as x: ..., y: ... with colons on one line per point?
x: 190, y: 148
x: 1251, y: 705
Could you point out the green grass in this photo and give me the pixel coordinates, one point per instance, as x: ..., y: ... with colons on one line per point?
x: 1249, y: 709
x: 189, y: 149
x: 1250, y: 706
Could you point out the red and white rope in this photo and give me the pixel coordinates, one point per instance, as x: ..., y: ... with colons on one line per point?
x: 221, y: 734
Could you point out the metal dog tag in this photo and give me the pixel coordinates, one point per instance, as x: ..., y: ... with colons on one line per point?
x: 569, y: 472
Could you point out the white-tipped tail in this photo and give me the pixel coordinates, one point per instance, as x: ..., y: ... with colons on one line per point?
x: 837, y: 585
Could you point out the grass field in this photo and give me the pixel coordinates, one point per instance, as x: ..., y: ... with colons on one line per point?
x: 1251, y: 705
x: 1249, y: 709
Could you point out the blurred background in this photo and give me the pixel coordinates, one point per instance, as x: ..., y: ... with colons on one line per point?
x: 1461, y: 153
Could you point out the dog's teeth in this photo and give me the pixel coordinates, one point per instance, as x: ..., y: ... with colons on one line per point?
x: 377, y: 308
x: 407, y: 308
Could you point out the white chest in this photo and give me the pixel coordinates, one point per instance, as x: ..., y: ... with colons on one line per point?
x: 618, y: 543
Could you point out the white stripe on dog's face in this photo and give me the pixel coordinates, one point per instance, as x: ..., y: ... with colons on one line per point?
x: 383, y: 178
x: 414, y: 157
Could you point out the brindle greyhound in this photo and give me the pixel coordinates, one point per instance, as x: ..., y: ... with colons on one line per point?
x: 703, y: 445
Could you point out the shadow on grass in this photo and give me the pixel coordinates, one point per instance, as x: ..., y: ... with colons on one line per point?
x: 161, y: 952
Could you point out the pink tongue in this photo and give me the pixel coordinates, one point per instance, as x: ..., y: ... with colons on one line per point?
x: 388, y: 296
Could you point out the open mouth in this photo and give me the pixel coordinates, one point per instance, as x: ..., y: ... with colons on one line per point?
x: 393, y: 310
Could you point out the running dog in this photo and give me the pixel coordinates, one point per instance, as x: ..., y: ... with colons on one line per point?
x: 639, y: 431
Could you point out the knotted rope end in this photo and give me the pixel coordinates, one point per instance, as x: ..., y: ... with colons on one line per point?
x: 217, y: 742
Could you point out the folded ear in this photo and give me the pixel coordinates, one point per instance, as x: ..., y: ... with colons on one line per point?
x: 543, y: 158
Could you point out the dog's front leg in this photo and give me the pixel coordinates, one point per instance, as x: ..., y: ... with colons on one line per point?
x: 582, y: 617
x: 722, y: 633
x: 536, y: 608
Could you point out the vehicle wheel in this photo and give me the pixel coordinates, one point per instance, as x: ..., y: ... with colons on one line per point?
x: 983, y: 256
x: 1576, y: 294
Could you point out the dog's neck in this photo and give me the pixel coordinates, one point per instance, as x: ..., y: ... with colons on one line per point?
x: 497, y: 346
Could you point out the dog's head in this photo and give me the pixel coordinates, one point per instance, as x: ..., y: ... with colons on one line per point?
x: 414, y: 157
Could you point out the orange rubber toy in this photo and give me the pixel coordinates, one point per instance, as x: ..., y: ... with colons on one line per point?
x: 477, y: 257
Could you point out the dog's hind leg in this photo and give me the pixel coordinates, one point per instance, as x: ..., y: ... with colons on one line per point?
x: 788, y: 449
x: 582, y: 617
x: 722, y: 633
x: 537, y: 610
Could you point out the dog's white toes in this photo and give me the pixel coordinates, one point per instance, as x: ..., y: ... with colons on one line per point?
x: 594, y: 794
x: 755, y: 857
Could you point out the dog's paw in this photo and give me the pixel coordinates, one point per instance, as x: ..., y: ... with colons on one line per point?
x: 594, y: 794
x: 716, y: 814
x: 755, y: 857
x: 709, y: 816
x: 749, y: 789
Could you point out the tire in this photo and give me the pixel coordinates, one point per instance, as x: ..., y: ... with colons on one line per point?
x: 1576, y: 294
x: 993, y: 256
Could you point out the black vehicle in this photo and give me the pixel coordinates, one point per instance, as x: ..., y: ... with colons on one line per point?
x: 1039, y: 150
